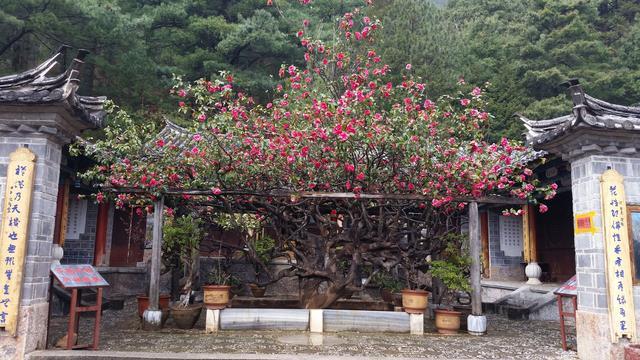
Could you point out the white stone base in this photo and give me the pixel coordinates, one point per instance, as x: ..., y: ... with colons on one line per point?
x: 316, y: 320
x: 152, y: 320
x: 416, y: 324
x: 477, y: 324
x: 212, y: 321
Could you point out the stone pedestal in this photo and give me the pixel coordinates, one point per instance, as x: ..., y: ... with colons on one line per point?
x: 533, y: 272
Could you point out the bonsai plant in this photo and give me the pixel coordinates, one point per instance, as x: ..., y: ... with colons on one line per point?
x: 217, y: 289
x: 260, y: 248
x: 182, y: 236
x: 453, y: 271
x: 390, y: 287
x: 414, y: 295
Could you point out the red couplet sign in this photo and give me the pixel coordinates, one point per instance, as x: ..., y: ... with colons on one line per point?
x: 78, y: 276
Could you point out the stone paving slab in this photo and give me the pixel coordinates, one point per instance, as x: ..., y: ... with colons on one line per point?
x: 506, y: 339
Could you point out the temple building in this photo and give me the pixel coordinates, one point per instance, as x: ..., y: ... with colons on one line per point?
x: 598, y: 144
x: 40, y: 113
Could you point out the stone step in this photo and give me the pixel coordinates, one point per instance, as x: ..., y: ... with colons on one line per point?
x: 121, y: 355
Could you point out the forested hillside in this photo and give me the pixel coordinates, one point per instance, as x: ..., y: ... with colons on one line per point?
x: 524, y: 48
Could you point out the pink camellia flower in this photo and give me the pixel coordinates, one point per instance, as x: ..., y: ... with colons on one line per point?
x: 543, y: 208
x: 202, y: 117
x: 159, y: 143
x: 181, y: 104
x: 195, y: 150
x: 465, y: 102
x: 349, y: 168
x: 408, y: 66
x: 197, y: 137
x: 366, y: 20
x: 216, y: 191
x: 348, y: 185
x: 554, y: 186
x: 360, y: 176
x: 305, y: 22
x: 100, y: 197
x: 182, y: 93
x: 476, y: 91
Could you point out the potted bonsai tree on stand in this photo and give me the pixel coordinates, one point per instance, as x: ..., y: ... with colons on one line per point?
x: 217, y: 291
x: 414, y: 298
x: 260, y: 248
x: 453, y: 271
x: 182, y: 235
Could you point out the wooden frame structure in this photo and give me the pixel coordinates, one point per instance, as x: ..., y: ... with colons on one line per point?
x: 475, y: 237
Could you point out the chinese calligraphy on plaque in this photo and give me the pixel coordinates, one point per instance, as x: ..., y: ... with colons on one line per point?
x: 13, y: 234
x: 617, y: 256
x: 78, y: 276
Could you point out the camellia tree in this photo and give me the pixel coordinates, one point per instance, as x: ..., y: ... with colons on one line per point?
x: 357, y: 174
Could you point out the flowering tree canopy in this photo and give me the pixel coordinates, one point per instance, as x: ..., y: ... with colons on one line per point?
x: 337, y: 125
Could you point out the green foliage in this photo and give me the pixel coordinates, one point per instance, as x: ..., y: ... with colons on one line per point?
x: 263, y: 246
x: 523, y: 48
x: 387, y: 281
x: 182, y: 235
x: 453, y: 268
x: 218, y: 276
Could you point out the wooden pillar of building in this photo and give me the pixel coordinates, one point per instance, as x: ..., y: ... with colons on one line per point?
x: 476, y: 323
x: 152, y: 317
x: 530, y: 245
x: 484, y: 236
x: 101, y: 234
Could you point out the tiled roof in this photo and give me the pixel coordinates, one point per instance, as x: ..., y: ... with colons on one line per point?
x: 36, y: 87
x: 587, y: 112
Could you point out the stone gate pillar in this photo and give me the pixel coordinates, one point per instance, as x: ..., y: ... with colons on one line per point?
x: 42, y: 113
x: 596, y: 136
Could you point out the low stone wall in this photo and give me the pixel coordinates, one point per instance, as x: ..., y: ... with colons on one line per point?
x: 316, y: 320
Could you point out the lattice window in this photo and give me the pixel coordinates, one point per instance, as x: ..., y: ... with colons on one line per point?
x: 511, y: 235
x: 76, y: 217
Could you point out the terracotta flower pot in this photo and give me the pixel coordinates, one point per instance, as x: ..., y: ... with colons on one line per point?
x: 447, y: 321
x: 632, y: 352
x: 216, y: 296
x: 414, y: 301
x: 387, y: 296
x: 186, y: 317
x: 143, y: 303
x: 257, y: 291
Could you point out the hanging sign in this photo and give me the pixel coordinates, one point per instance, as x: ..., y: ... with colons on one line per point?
x: 13, y: 234
x: 617, y: 257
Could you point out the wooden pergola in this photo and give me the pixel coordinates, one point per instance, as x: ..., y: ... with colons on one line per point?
x: 152, y: 315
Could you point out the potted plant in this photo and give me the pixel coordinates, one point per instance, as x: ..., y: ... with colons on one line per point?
x: 260, y: 248
x: 414, y: 297
x: 453, y: 271
x: 182, y: 235
x: 217, y: 291
x: 390, y: 287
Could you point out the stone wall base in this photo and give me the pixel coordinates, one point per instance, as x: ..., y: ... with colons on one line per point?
x: 594, y: 338
x: 507, y: 273
x: 32, y: 332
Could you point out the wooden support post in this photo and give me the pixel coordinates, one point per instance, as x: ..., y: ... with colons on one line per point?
x: 474, y: 247
x: 484, y: 232
x: 152, y: 318
x: 533, y: 270
x: 101, y: 234
x: 476, y: 322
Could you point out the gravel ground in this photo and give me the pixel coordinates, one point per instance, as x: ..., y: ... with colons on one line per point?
x: 506, y: 339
